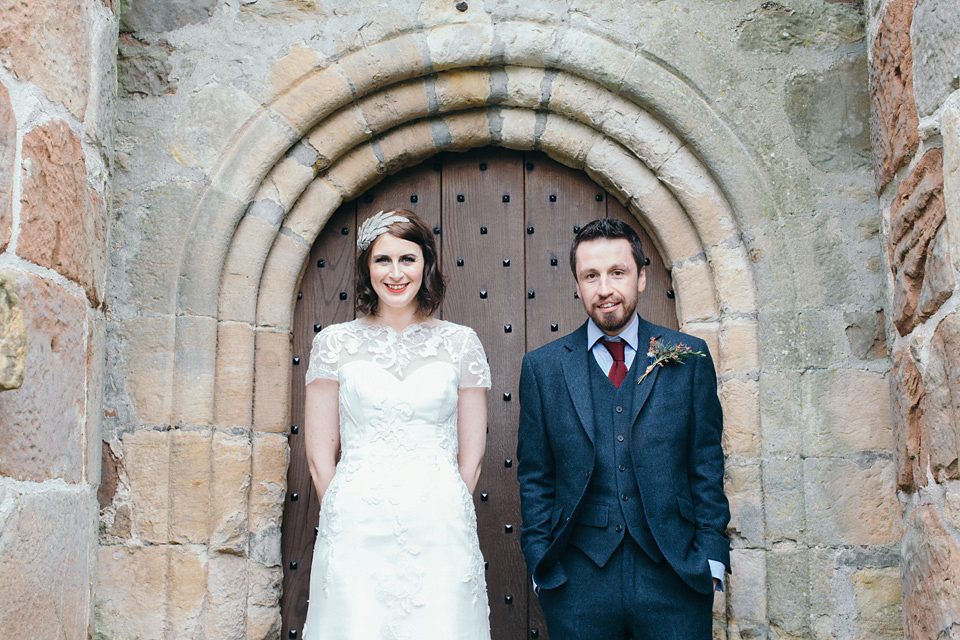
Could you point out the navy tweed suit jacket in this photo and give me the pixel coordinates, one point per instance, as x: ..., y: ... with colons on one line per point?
x: 676, y: 453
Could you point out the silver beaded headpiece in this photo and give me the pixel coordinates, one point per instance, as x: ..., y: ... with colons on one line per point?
x: 374, y: 226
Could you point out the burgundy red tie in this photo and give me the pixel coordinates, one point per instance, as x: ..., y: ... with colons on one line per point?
x: 618, y: 371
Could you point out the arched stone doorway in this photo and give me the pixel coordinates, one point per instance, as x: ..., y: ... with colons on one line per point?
x: 504, y: 220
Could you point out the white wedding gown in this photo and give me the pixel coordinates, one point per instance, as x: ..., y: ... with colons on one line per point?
x: 397, y: 555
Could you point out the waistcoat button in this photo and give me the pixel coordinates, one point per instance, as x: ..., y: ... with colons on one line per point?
x: 624, y: 497
x: 619, y: 438
x: 619, y: 409
x: 622, y: 468
x: 618, y: 528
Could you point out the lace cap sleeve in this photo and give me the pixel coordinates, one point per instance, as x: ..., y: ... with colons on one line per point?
x: 325, y: 356
x: 474, y: 369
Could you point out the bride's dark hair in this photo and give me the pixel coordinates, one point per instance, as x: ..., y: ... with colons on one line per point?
x: 430, y: 296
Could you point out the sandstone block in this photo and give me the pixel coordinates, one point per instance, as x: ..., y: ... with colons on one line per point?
x: 225, y: 610
x: 143, y: 68
x: 580, y: 99
x: 696, y: 294
x: 337, y: 134
x: 930, y: 564
x: 263, y: 622
x: 41, y: 433
x: 230, y: 489
x: 909, y: 424
x: 778, y: 29
x: 467, y: 131
x: 8, y: 152
x: 263, y: 590
x: 747, y: 593
x: 942, y: 401
x: 314, y: 98
x: 933, y: 38
x: 131, y: 592
x: 286, y: 71
x: 49, y: 45
x: 849, y: 411
x: 829, y: 112
x: 62, y: 221
x: 733, y: 275
x: 849, y: 502
x: 950, y: 128
x: 290, y: 177
x: 592, y: 56
x: 354, y: 172
x: 459, y: 45
x: 744, y: 489
x: 938, y: 281
x: 190, y: 484
x: 148, y: 366
x: 567, y: 141
x: 783, y: 499
x: 518, y: 129
x: 739, y: 351
x: 314, y: 207
x: 186, y: 590
x: 281, y: 275
x: 865, y: 334
x: 879, y: 608
x: 243, y: 269
x: 233, y: 401
x: 788, y: 587
x: 916, y: 216
x: 384, y: 63
x: 893, y: 122
x: 47, y: 550
x: 396, y: 105
x: 93, y: 419
x: 781, y: 413
x: 167, y: 15
x: 523, y: 87
x: 13, y: 337
x: 271, y: 458
x: 697, y: 191
x: 413, y: 143
x: 146, y: 456
x: 195, y: 372
x: 741, y: 417
x: 271, y: 388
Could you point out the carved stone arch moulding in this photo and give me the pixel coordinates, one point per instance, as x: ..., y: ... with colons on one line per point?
x: 635, y: 128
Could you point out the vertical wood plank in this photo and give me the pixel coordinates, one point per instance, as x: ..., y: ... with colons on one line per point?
x: 321, y: 304
x: 653, y: 304
x: 474, y: 189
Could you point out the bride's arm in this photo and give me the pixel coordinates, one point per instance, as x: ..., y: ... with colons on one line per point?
x: 322, y: 432
x: 471, y: 433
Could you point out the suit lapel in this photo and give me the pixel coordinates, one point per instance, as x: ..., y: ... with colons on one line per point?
x: 574, y: 363
x: 645, y: 331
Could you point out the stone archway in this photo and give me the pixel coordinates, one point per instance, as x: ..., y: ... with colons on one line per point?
x: 635, y: 128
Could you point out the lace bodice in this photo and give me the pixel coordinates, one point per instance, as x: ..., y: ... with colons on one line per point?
x: 398, y: 390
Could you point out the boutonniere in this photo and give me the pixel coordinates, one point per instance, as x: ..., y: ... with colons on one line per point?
x: 660, y: 354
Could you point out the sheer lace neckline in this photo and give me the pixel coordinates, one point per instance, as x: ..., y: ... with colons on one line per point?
x: 414, y: 327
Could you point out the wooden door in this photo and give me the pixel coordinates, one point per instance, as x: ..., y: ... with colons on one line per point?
x: 504, y: 221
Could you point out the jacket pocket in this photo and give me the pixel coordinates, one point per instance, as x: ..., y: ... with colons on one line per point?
x: 685, y: 506
x: 556, y: 519
x: 593, y: 514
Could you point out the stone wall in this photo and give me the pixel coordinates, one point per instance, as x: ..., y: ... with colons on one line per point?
x: 737, y: 131
x: 915, y: 92
x: 57, y: 115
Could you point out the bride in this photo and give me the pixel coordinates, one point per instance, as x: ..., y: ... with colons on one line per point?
x: 395, y: 434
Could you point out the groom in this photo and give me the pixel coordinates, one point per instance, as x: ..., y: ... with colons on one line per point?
x: 620, y: 464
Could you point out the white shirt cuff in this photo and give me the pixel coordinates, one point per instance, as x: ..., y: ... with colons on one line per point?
x: 717, y: 570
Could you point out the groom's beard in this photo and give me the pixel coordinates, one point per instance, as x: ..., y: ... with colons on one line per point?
x: 613, y: 323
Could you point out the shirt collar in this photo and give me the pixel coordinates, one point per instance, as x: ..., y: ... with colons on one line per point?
x: 628, y: 335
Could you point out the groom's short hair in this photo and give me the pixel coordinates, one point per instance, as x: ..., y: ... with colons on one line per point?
x: 610, y: 229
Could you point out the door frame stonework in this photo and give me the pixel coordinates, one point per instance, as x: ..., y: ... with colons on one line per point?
x: 639, y: 132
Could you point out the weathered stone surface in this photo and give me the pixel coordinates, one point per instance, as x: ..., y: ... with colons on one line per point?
x: 143, y: 68
x: 8, y: 153
x: 230, y: 488
x: 774, y: 28
x: 190, y: 484
x: 226, y: 600
x: 938, y: 280
x: 942, y: 401
x: 46, y: 542
x: 936, y: 48
x: 783, y: 499
x: 203, y: 141
x: 741, y: 412
x: 285, y: 71
x: 929, y: 568
x: 950, y: 127
x: 878, y: 601
x: 186, y: 589
x: 865, y: 334
x: 147, y: 366
x: 41, y: 433
x: 915, y: 218
x: 130, y: 598
x: 48, y: 44
x: 271, y: 388
x: 849, y: 501
x: 62, y: 221
x: 271, y: 458
x: 146, y: 455
x: 748, y: 592
x: 909, y: 424
x: 894, y: 113
x: 829, y: 111
x: 151, y: 16
x: 849, y: 411
x: 13, y: 337
x: 744, y: 488
x: 788, y: 586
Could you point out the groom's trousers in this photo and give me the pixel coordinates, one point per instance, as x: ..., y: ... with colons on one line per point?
x: 630, y: 597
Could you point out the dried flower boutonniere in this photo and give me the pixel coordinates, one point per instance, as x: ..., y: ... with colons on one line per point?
x: 659, y: 354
